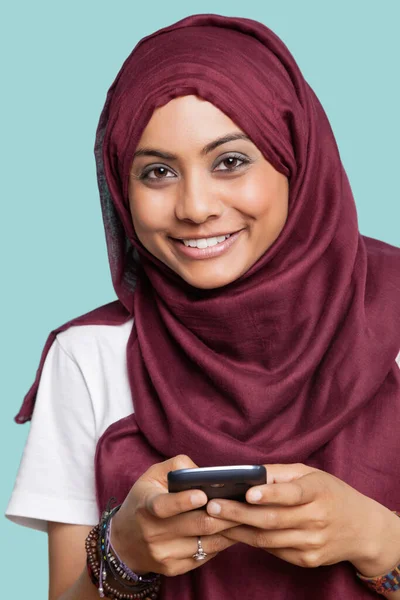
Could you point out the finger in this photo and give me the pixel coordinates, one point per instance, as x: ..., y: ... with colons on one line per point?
x: 185, y: 548
x: 300, y: 491
x: 164, y: 505
x: 307, y: 560
x: 263, y: 517
x: 194, y: 523
x: 280, y: 473
x: 286, y: 538
x: 177, y: 558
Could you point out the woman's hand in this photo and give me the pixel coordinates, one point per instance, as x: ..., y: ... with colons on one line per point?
x: 157, y: 531
x: 311, y: 518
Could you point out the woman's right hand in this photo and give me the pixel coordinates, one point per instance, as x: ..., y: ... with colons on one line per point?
x: 157, y: 531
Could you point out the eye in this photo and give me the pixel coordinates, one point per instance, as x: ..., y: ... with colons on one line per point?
x: 230, y: 161
x: 160, y: 168
x: 232, y: 166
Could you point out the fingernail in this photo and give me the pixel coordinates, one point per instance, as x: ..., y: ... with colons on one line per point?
x: 197, y: 499
x: 214, y: 508
x: 254, y: 495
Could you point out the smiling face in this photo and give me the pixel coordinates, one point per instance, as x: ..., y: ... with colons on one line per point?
x: 190, y: 187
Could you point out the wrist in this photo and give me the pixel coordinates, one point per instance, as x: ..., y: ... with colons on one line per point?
x: 119, y: 543
x: 102, y: 566
x: 380, y: 552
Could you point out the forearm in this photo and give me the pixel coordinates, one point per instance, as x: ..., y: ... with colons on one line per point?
x: 82, y: 589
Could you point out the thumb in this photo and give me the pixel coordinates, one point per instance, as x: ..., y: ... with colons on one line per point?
x: 280, y: 473
x: 157, y: 474
x: 155, y: 480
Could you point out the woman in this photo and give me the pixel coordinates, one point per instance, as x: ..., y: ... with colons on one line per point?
x: 254, y: 325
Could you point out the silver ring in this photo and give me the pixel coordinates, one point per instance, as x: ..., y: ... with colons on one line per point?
x: 200, y: 554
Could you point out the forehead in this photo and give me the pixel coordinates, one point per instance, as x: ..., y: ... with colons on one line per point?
x: 186, y: 119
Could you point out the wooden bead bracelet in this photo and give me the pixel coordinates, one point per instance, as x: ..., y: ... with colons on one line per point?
x: 145, y: 591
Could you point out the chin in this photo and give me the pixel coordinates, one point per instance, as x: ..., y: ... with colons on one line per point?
x: 209, y: 282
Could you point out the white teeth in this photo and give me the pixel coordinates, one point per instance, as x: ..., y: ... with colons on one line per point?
x: 212, y: 241
x: 206, y: 242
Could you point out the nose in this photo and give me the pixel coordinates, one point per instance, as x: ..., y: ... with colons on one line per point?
x: 197, y: 201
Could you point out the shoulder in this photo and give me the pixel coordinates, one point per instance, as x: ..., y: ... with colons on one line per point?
x: 79, y: 339
x: 99, y: 353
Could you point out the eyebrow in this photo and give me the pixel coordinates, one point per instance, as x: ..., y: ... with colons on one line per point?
x: 206, y: 150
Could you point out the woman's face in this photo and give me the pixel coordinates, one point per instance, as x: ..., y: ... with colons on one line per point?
x: 189, y: 189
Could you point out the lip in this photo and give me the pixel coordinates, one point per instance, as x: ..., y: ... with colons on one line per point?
x: 209, y: 252
x: 209, y: 235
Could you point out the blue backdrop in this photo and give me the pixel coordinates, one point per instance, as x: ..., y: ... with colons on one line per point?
x: 59, y: 59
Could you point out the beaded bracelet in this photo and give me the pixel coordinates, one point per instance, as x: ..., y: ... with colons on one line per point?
x: 109, y: 556
x: 103, y: 560
x: 145, y: 591
x: 120, y: 570
x: 384, y: 583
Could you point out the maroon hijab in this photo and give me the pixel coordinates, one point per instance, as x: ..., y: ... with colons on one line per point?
x: 292, y: 362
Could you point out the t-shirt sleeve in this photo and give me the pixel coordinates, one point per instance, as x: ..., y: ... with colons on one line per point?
x: 55, y: 479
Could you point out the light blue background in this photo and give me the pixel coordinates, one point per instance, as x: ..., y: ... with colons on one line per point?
x: 59, y: 58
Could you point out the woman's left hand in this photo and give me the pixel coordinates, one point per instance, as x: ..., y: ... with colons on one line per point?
x: 311, y: 518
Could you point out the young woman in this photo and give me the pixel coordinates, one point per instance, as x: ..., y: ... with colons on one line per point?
x: 254, y: 325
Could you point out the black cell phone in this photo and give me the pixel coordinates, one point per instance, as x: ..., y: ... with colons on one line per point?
x: 230, y: 482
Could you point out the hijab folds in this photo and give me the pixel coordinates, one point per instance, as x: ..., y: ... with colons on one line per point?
x: 292, y: 362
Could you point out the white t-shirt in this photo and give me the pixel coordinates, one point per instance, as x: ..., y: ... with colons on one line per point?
x: 83, y: 389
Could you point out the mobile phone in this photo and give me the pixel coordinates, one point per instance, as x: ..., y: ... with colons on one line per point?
x: 230, y: 482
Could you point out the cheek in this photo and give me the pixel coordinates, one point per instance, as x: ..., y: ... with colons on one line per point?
x: 149, y: 209
x: 265, y: 197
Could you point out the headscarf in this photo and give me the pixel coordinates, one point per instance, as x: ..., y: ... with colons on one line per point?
x: 292, y: 362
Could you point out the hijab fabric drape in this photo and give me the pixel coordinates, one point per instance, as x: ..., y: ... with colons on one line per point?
x: 292, y: 362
